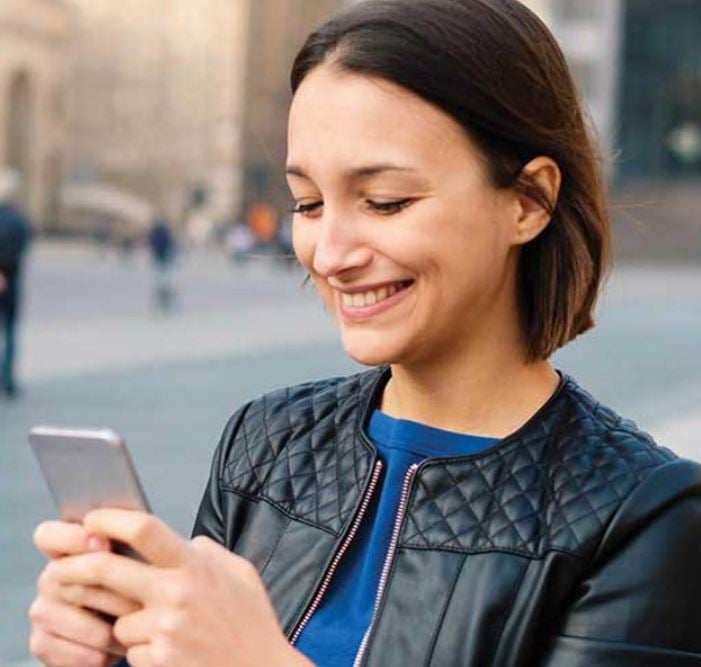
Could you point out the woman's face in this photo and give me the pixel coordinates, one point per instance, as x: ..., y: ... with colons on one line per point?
x: 409, y: 245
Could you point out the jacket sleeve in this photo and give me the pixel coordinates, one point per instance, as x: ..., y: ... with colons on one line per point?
x: 640, y: 605
x: 210, y: 520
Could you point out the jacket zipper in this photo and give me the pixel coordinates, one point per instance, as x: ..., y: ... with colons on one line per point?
x: 326, y: 582
x: 394, y: 542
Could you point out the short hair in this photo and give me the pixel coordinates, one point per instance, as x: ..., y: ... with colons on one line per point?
x: 495, y: 68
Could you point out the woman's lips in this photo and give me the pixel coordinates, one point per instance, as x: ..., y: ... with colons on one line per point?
x: 360, y: 306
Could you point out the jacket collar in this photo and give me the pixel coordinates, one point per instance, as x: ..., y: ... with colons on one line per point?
x: 383, y: 374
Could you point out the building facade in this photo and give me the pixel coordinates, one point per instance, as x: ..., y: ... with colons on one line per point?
x: 659, y: 100
x: 638, y: 64
x: 183, y: 102
x: 34, y: 40
x: 156, y: 101
x: 590, y: 34
x: 277, y: 30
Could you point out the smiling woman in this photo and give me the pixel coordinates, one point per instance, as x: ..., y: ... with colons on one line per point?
x: 462, y: 502
x: 418, y: 222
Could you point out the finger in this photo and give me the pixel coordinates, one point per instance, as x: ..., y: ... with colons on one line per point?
x: 140, y: 656
x: 124, y: 576
x: 137, y: 628
x: 159, y: 544
x: 97, y: 599
x: 54, y: 650
x: 60, y: 538
x: 73, y: 624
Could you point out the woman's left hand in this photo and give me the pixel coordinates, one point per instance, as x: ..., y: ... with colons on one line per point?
x: 202, y: 604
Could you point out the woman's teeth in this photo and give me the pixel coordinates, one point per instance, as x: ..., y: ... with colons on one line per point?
x: 372, y: 297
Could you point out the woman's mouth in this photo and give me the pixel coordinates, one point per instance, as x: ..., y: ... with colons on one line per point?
x: 368, y: 303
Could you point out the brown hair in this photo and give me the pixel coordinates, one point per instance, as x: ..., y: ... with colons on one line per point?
x: 497, y: 70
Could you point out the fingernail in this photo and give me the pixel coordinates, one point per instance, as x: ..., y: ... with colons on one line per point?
x: 97, y: 543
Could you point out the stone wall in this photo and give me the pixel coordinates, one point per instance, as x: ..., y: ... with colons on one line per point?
x: 34, y: 39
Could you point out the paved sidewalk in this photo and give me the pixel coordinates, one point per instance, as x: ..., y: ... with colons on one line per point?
x: 112, y: 343
x: 72, y: 328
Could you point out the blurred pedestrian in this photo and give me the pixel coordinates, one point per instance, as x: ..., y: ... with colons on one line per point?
x: 162, y: 247
x: 200, y: 228
x: 285, y: 245
x: 14, y: 237
x: 239, y: 243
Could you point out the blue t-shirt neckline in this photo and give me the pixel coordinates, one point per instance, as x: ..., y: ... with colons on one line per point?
x: 423, y: 440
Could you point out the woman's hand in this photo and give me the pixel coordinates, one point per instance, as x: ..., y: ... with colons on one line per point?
x: 200, y: 604
x: 64, y: 631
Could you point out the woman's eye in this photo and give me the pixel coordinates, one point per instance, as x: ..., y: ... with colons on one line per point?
x: 384, y: 208
x: 305, y: 209
x: 389, y: 207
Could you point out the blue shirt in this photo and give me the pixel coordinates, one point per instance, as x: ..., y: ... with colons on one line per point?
x: 333, y: 635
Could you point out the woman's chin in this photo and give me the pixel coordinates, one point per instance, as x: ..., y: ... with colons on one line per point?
x: 371, y: 349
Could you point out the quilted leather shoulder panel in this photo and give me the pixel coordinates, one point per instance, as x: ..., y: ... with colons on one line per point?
x: 298, y: 447
x: 555, y: 484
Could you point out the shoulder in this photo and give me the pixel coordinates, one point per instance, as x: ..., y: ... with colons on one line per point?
x: 309, y: 403
x: 603, y: 465
x: 585, y: 425
x: 295, y: 419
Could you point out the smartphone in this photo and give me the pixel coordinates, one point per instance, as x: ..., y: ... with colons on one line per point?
x: 88, y: 469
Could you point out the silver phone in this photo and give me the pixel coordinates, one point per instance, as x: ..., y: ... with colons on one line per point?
x: 87, y: 469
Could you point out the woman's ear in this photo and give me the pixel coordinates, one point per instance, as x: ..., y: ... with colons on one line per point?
x: 533, y: 217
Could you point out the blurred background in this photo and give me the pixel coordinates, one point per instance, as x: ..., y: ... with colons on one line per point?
x: 145, y: 142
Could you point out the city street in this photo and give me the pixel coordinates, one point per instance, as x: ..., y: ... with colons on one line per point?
x: 95, y: 353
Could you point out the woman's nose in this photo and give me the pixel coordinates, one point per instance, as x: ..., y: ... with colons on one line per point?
x: 339, y: 246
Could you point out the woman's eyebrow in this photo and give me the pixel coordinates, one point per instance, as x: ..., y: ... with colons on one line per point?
x: 356, y: 173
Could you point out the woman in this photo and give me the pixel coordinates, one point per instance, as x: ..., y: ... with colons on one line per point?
x: 462, y: 503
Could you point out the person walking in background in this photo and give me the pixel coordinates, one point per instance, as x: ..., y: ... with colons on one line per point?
x: 239, y: 243
x: 14, y: 237
x: 285, y: 243
x: 162, y: 247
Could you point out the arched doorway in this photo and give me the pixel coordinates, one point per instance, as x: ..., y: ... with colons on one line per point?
x: 18, y: 129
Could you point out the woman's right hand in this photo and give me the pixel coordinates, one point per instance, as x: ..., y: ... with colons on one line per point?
x: 70, y: 624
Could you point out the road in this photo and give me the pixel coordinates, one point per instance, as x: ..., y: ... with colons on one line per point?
x: 95, y: 353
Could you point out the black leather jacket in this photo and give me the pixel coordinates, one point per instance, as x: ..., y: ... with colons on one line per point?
x: 576, y: 541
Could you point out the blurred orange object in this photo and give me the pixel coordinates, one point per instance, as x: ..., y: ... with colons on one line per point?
x: 263, y: 221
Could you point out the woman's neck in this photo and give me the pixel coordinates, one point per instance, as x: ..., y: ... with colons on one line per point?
x: 492, y: 396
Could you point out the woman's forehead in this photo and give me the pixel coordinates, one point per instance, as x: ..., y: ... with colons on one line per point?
x: 350, y: 114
